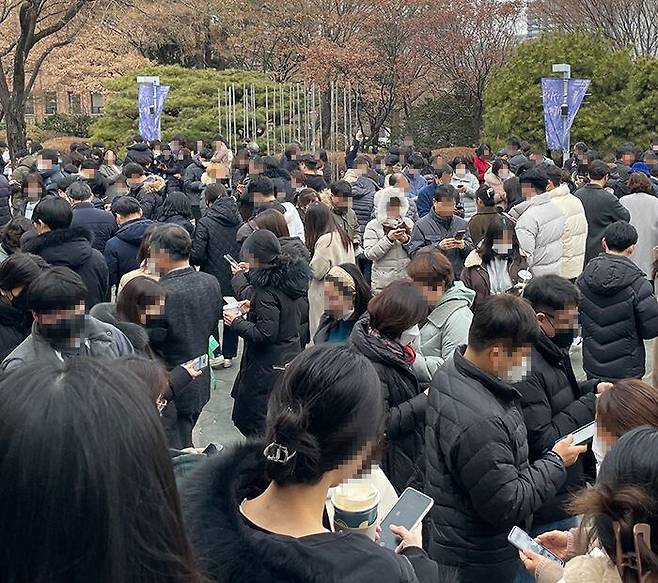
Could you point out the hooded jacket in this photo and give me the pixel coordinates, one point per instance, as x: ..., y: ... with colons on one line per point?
x: 574, y: 234
x: 478, y: 473
x: 215, y: 236
x: 5, y: 212
x: 99, y: 222
x: 172, y: 212
x: 192, y: 185
x: 121, y: 250
x: 271, y: 334
x: 446, y: 328
x: 470, y: 183
x: 555, y: 404
x: 363, y: 196
x: 390, y: 258
x: 230, y: 549
x: 287, y: 209
x: 72, y: 248
x: 539, y: 230
x: 618, y: 312
x: 100, y: 340
x: 405, y: 403
x: 139, y: 154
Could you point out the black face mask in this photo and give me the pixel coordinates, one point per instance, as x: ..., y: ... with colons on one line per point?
x: 340, y: 210
x: 157, y: 329
x: 563, y: 339
x: 63, y: 330
x: 20, y: 302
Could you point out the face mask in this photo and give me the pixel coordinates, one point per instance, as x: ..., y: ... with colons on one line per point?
x: 410, y: 335
x: 517, y: 373
x: 563, y: 339
x: 501, y: 248
x: 460, y: 173
x: 62, y: 330
x: 340, y: 210
x: 41, y: 167
x: 5, y: 156
x: 503, y: 174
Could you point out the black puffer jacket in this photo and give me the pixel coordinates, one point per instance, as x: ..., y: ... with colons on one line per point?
x: 271, y: 334
x: 5, y: 213
x: 192, y: 185
x: 121, y: 250
x: 72, y: 248
x: 477, y: 471
x: 363, y: 200
x: 100, y: 223
x: 230, y: 549
x: 618, y: 312
x: 215, y: 237
x: 405, y: 401
x: 139, y: 154
x: 555, y: 404
x: 15, y: 325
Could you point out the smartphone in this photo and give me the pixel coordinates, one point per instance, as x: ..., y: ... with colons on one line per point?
x: 231, y: 261
x: 199, y: 362
x: 212, y: 449
x: 459, y: 235
x: 230, y: 301
x: 522, y: 541
x: 409, y: 511
x: 582, y: 434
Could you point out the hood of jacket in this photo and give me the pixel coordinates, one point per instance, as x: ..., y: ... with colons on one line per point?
x: 229, y: 549
x: 225, y: 212
x: 141, y: 147
x: 69, y: 247
x: 609, y: 274
x: 133, y: 231
x: 384, y: 196
x: 291, y: 278
x: 10, y: 316
x: 295, y: 247
x: 560, y: 191
x: 373, y: 347
x: 352, y: 175
x: 456, y: 297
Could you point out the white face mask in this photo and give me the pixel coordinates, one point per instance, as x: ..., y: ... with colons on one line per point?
x: 503, y: 174
x: 410, y: 335
x: 517, y: 373
x: 460, y: 173
x: 502, y: 248
x: 41, y: 167
x: 5, y: 156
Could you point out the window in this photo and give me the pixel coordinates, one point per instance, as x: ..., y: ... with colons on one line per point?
x: 29, y: 106
x: 96, y: 103
x: 75, y: 107
x: 51, y: 103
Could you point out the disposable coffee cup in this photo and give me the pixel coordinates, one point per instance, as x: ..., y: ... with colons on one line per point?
x: 524, y: 276
x: 356, y: 508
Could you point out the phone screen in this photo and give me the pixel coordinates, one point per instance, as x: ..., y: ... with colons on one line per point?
x: 199, y: 362
x: 522, y: 541
x: 582, y: 434
x: 459, y: 235
x: 408, y: 511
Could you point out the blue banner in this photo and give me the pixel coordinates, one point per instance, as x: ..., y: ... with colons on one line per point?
x: 552, y: 95
x: 150, y: 105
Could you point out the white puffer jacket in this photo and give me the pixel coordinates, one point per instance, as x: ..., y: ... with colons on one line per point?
x: 574, y: 235
x: 539, y: 230
x: 389, y: 258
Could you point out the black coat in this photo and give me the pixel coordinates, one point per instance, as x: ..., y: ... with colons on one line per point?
x: 477, y: 471
x: 215, y: 237
x: 271, y: 334
x: 192, y: 185
x: 5, y: 212
x: 179, y: 220
x: 72, y: 248
x: 618, y: 312
x: 555, y: 404
x: 121, y: 250
x: 139, y: 154
x: 602, y: 208
x: 363, y: 200
x: 405, y: 404
x: 230, y: 549
x: 15, y: 326
x: 99, y: 223
x: 150, y: 200
x: 192, y: 312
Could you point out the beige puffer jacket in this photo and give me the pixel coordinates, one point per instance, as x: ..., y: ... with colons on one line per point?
x: 574, y: 235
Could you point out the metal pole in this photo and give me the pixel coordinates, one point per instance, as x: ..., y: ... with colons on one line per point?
x: 274, y: 117
x: 283, y: 117
x: 291, y: 112
x: 219, y: 111
x: 267, y: 120
x: 320, y: 139
x: 306, y: 146
x: 235, y: 121
x: 345, y: 138
x: 565, y: 115
x: 349, y: 103
x: 227, y: 116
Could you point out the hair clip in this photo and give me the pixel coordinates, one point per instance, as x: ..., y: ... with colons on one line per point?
x: 632, y: 560
x: 278, y: 453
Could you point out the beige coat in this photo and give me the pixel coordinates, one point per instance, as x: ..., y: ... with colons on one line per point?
x: 594, y: 567
x: 574, y: 235
x: 328, y: 252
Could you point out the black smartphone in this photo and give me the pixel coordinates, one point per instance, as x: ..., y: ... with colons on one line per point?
x: 408, y: 511
x: 459, y: 235
x: 582, y: 434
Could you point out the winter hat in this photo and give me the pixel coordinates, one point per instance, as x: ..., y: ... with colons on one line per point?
x: 264, y: 247
x: 641, y: 167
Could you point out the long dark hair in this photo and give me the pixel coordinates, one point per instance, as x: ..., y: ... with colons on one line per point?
x: 88, y: 487
x: 272, y: 220
x: 362, y: 291
x: 495, y: 230
x: 136, y: 295
x: 176, y: 203
x: 320, y: 221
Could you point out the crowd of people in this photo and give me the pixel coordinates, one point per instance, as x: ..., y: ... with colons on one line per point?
x: 419, y: 314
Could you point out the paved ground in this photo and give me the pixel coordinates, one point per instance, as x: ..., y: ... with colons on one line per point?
x: 215, y: 425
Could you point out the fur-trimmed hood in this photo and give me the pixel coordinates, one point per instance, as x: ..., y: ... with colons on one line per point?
x: 291, y: 277
x: 384, y: 196
x: 69, y: 247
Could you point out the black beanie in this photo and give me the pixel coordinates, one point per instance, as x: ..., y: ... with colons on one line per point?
x: 264, y: 247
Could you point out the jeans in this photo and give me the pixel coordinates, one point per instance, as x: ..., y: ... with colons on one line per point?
x: 565, y: 524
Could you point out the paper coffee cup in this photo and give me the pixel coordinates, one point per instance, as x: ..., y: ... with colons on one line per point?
x: 356, y: 508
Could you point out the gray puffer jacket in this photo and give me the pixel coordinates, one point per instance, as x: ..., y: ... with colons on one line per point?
x: 539, y: 230
x: 446, y: 329
x: 390, y: 258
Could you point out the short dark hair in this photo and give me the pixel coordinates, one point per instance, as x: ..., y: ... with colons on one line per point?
x: 173, y: 240
x: 620, y: 236
x: 514, y: 141
x: 138, y: 138
x: 554, y: 174
x: 88, y: 164
x: 551, y: 292
x: 53, y: 212
x: 56, y: 288
x: 260, y: 184
x: 20, y: 270
x: 431, y: 267
x: 79, y: 191
x: 444, y: 192
x: 51, y: 155
x: 498, y: 165
x: 124, y: 206
x: 63, y: 182
x: 639, y: 182
x: 504, y: 319
x: 598, y: 170
x: 309, y: 161
x: 214, y: 191
x: 536, y: 177
x: 396, y: 308
x: 362, y: 161
x: 341, y: 188
x: 445, y: 169
x: 416, y: 161
x: 487, y: 195
x: 135, y: 296
x: 133, y: 169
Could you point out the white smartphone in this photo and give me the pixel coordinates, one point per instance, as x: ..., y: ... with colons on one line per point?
x: 582, y: 434
x: 199, y: 362
x: 231, y: 261
x: 524, y: 542
x: 409, y: 511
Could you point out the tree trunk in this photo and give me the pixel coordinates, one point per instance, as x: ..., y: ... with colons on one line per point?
x: 16, y: 134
